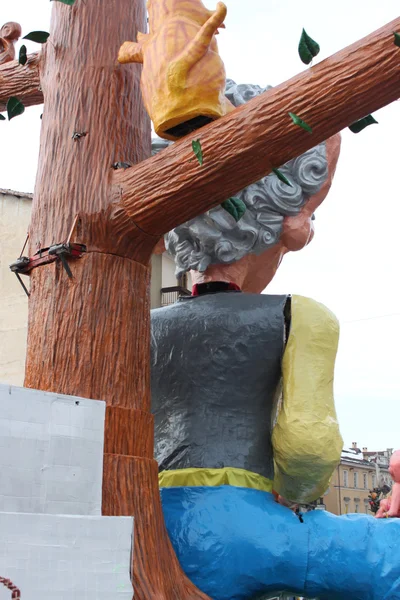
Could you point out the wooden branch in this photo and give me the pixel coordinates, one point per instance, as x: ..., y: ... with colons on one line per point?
x: 240, y: 148
x: 23, y: 82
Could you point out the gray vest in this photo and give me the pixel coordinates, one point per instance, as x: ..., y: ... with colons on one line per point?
x: 216, y: 367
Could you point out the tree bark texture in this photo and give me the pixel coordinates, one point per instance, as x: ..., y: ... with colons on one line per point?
x: 89, y: 336
x: 247, y: 144
x: 21, y: 81
x: 131, y: 488
x: 86, y: 92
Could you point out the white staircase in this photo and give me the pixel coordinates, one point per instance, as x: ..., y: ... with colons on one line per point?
x: 53, y: 543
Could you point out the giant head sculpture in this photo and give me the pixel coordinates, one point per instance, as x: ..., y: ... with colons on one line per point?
x: 278, y: 217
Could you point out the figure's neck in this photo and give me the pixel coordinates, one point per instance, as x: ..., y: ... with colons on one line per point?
x: 213, y: 287
x: 234, y: 273
x: 251, y: 273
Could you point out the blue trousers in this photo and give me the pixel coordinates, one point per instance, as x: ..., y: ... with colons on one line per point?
x: 239, y: 544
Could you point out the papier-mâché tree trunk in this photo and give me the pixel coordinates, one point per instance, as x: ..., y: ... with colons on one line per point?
x: 89, y: 335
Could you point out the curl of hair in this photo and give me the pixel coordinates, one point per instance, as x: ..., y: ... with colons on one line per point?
x: 215, y: 237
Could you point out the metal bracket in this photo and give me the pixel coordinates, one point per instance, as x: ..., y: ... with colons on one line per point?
x: 19, y: 265
x: 61, y: 251
x: 24, y: 265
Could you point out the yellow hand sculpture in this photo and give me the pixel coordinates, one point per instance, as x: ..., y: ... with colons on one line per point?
x: 183, y: 77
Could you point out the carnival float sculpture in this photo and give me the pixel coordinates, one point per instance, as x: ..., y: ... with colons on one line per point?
x: 242, y: 383
x: 242, y: 395
x: 249, y: 362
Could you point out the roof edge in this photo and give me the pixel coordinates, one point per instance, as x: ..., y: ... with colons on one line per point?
x: 16, y: 194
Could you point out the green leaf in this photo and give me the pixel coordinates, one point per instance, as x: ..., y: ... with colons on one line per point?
x: 297, y: 121
x: 196, y: 145
x: 362, y: 124
x: 69, y: 2
x: 396, y: 39
x: 281, y: 176
x: 37, y: 36
x: 308, y: 48
x: 2, y: 118
x: 22, y: 56
x: 235, y: 207
x: 14, y: 107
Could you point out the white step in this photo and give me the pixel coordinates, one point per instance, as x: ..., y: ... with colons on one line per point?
x: 51, y: 452
x: 54, y: 545
x: 53, y: 557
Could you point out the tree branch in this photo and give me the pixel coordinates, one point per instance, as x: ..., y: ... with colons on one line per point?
x: 240, y: 148
x: 23, y: 82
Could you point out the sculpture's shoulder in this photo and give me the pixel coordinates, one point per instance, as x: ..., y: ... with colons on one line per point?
x: 219, y: 302
x: 234, y: 312
x: 307, y: 312
x: 304, y: 310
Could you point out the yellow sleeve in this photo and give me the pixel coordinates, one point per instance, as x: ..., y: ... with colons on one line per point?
x: 306, y: 438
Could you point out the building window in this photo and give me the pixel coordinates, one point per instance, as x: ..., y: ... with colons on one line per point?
x: 357, y: 509
x: 365, y: 481
x: 355, y: 479
x: 345, y: 478
x: 182, y: 280
x: 373, y: 481
x: 346, y: 508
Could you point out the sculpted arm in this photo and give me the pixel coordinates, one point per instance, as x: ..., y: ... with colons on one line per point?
x: 306, y: 439
x: 394, y: 469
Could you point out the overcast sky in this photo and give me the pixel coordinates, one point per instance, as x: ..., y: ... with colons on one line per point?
x: 352, y: 264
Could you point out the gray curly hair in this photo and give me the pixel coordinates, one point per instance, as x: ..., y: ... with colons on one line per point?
x: 215, y: 237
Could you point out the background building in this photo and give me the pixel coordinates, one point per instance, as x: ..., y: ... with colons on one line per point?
x: 359, y: 472
x: 15, y: 210
x: 165, y: 286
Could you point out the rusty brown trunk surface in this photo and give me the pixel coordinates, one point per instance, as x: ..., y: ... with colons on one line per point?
x: 89, y: 335
x: 23, y: 82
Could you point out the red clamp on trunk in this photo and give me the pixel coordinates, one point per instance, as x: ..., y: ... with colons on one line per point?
x: 24, y: 265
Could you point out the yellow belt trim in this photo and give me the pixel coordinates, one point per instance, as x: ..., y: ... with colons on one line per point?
x: 213, y: 478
